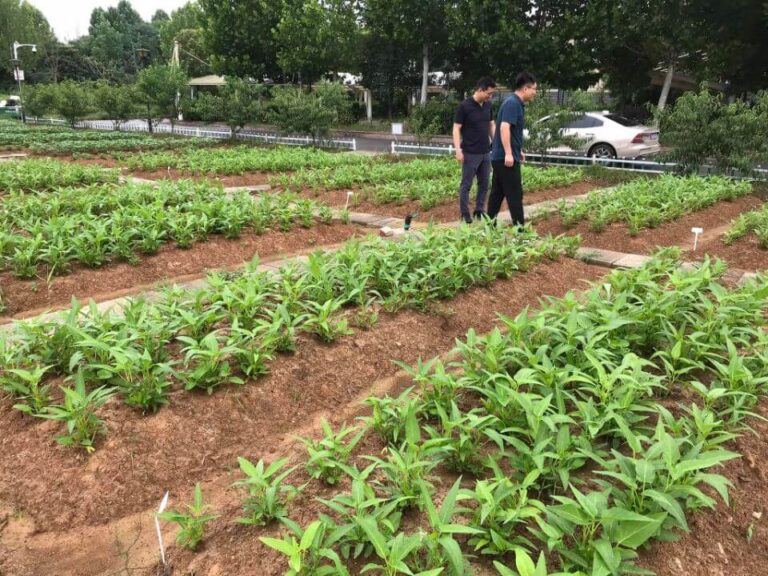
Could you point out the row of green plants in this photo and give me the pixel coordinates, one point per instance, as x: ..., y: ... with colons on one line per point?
x: 370, y: 172
x: 581, y: 433
x: 431, y: 192
x: 230, y: 331
x: 62, y: 139
x: 395, y: 179
x: 649, y: 202
x: 37, y: 174
x: 99, y: 224
x: 752, y: 222
x: 239, y: 159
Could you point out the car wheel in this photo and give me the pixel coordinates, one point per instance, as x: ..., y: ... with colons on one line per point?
x: 602, y: 151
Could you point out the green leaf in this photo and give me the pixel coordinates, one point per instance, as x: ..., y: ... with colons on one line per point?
x: 669, y: 505
x: 634, y: 534
x: 279, y: 545
x: 452, y: 550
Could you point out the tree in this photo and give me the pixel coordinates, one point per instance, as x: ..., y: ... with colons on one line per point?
x: 184, y: 26
x: 238, y: 103
x: 22, y: 22
x: 73, y: 101
x: 39, y: 100
x: 500, y: 38
x: 115, y: 35
x: 295, y: 111
x: 161, y: 87
x: 703, y: 38
x: 701, y: 128
x: 388, y: 63
x: 407, y: 33
x: 239, y: 37
x: 117, y: 101
x: 315, y: 37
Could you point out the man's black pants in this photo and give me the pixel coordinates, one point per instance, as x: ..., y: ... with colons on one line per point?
x: 507, y: 183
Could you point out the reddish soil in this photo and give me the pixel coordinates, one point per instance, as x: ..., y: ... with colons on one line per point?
x: 718, y: 544
x: 715, y: 220
x: 744, y: 253
x: 25, y: 298
x: 446, y: 212
x: 71, y: 514
x: 247, y: 179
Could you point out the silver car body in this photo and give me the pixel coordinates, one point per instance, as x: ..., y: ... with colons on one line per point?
x: 610, y: 135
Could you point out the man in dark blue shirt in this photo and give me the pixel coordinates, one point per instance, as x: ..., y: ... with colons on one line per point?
x: 507, y: 151
x: 473, y: 130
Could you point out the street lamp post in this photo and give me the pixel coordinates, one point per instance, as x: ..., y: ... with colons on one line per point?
x: 16, y: 62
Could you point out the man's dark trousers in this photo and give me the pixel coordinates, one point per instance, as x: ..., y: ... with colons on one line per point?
x: 474, y: 165
x: 507, y: 183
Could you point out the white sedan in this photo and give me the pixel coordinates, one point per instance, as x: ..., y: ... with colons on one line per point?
x: 608, y: 135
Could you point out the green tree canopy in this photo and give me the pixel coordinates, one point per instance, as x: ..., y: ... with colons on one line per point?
x: 239, y: 36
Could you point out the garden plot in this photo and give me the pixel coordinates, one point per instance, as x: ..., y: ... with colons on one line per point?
x: 61, y: 140
x: 428, y: 187
x: 532, y: 443
x: 560, y: 419
x: 642, y: 215
x: 37, y: 175
x: 743, y: 242
x: 199, y: 434
x: 52, y: 243
x: 233, y: 165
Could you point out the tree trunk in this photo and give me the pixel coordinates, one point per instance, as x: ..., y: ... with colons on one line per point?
x: 667, y: 86
x: 424, y: 74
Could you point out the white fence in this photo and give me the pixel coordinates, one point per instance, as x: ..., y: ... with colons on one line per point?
x: 249, y: 136
x: 634, y: 165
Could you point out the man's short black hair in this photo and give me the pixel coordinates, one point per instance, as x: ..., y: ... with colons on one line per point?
x: 524, y: 79
x: 484, y: 83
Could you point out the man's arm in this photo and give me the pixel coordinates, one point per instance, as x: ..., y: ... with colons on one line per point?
x: 506, y: 142
x: 457, y: 141
x: 492, y: 130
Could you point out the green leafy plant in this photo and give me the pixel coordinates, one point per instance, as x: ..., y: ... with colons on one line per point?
x: 267, y: 497
x: 192, y: 522
x: 307, y: 554
x: 78, y: 412
x: 330, y: 455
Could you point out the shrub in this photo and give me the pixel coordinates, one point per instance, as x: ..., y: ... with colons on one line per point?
x: 700, y: 128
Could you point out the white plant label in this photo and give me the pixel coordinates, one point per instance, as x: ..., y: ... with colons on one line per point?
x: 163, y: 504
x: 696, y: 233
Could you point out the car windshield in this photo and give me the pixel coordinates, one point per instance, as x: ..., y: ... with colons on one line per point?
x: 623, y: 120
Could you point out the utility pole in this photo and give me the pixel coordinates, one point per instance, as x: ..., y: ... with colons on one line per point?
x: 18, y: 72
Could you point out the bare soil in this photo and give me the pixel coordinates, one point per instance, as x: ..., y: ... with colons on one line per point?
x: 445, y: 212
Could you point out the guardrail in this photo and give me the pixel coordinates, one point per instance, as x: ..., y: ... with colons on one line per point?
x: 250, y: 136
x: 631, y: 164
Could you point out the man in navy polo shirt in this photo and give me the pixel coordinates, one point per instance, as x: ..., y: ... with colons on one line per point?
x: 473, y: 131
x: 507, y: 151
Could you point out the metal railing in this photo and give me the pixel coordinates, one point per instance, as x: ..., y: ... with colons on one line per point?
x: 195, y: 132
x: 631, y: 164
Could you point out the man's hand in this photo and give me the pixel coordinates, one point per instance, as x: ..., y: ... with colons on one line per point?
x: 460, y: 156
x: 509, y: 160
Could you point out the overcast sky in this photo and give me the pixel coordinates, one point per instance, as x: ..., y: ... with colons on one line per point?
x: 70, y: 18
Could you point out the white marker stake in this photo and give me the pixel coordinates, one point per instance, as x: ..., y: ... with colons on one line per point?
x: 163, y: 504
x: 349, y: 195
x: 696, y: 232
